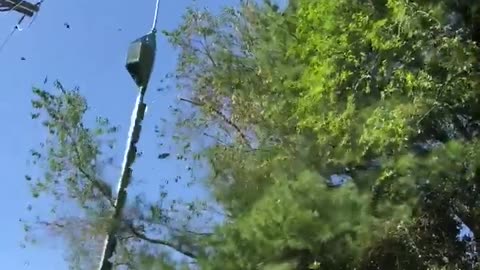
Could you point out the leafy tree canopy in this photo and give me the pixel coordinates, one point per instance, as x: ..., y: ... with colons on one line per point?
x: 381, y: 94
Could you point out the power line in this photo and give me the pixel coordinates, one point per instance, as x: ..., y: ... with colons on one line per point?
x: 6, y: 6
x: 10, y: 35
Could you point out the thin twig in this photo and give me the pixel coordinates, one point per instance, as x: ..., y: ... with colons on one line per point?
x: 221, y: 115
x: 161, y: 242
x: 52, y: 224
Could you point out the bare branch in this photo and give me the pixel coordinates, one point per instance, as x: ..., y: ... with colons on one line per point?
x: 52, y: 224
x: 177, y: 248
x: 221, y: 115
x: 126, y: 264
x: 199, y: 233
x: 207, y: 51
x: 216, y: 138
x: 96, y: 184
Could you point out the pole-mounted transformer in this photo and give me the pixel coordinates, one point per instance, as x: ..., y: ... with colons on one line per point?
x: 140, y: 60
x: 141, y: 54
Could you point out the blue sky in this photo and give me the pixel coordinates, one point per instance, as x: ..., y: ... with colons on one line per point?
x: 90, y: 55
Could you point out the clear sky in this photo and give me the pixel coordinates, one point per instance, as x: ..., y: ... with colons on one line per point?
x: 90, y: 55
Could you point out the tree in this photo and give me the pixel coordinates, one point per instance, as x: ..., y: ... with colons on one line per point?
x: 73, y: 158
x: 384, y: 91
x: 379, y: 94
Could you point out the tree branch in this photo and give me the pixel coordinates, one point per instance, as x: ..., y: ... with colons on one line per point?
x: 221, y: 115
x: 177, y: 248
x: 126, y: 264
x: 207, y: 51
x: 103, y: 190
x: 96, y: 184
x: 52, y: 224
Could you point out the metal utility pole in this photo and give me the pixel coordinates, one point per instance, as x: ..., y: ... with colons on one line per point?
x: 140, y: 59
x: 21, y: 6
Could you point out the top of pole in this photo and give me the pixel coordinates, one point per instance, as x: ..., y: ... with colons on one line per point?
x: 155, y: 18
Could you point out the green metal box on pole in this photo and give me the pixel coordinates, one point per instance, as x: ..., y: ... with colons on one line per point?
x: 140, y: 58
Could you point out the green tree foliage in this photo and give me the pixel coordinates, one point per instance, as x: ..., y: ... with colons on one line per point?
x: 73, y: 159
x: 383, y: 91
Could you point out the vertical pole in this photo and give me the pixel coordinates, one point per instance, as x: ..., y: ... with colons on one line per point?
x: 138, y: 113
x: 111, y: 241
x: 155, y: 18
